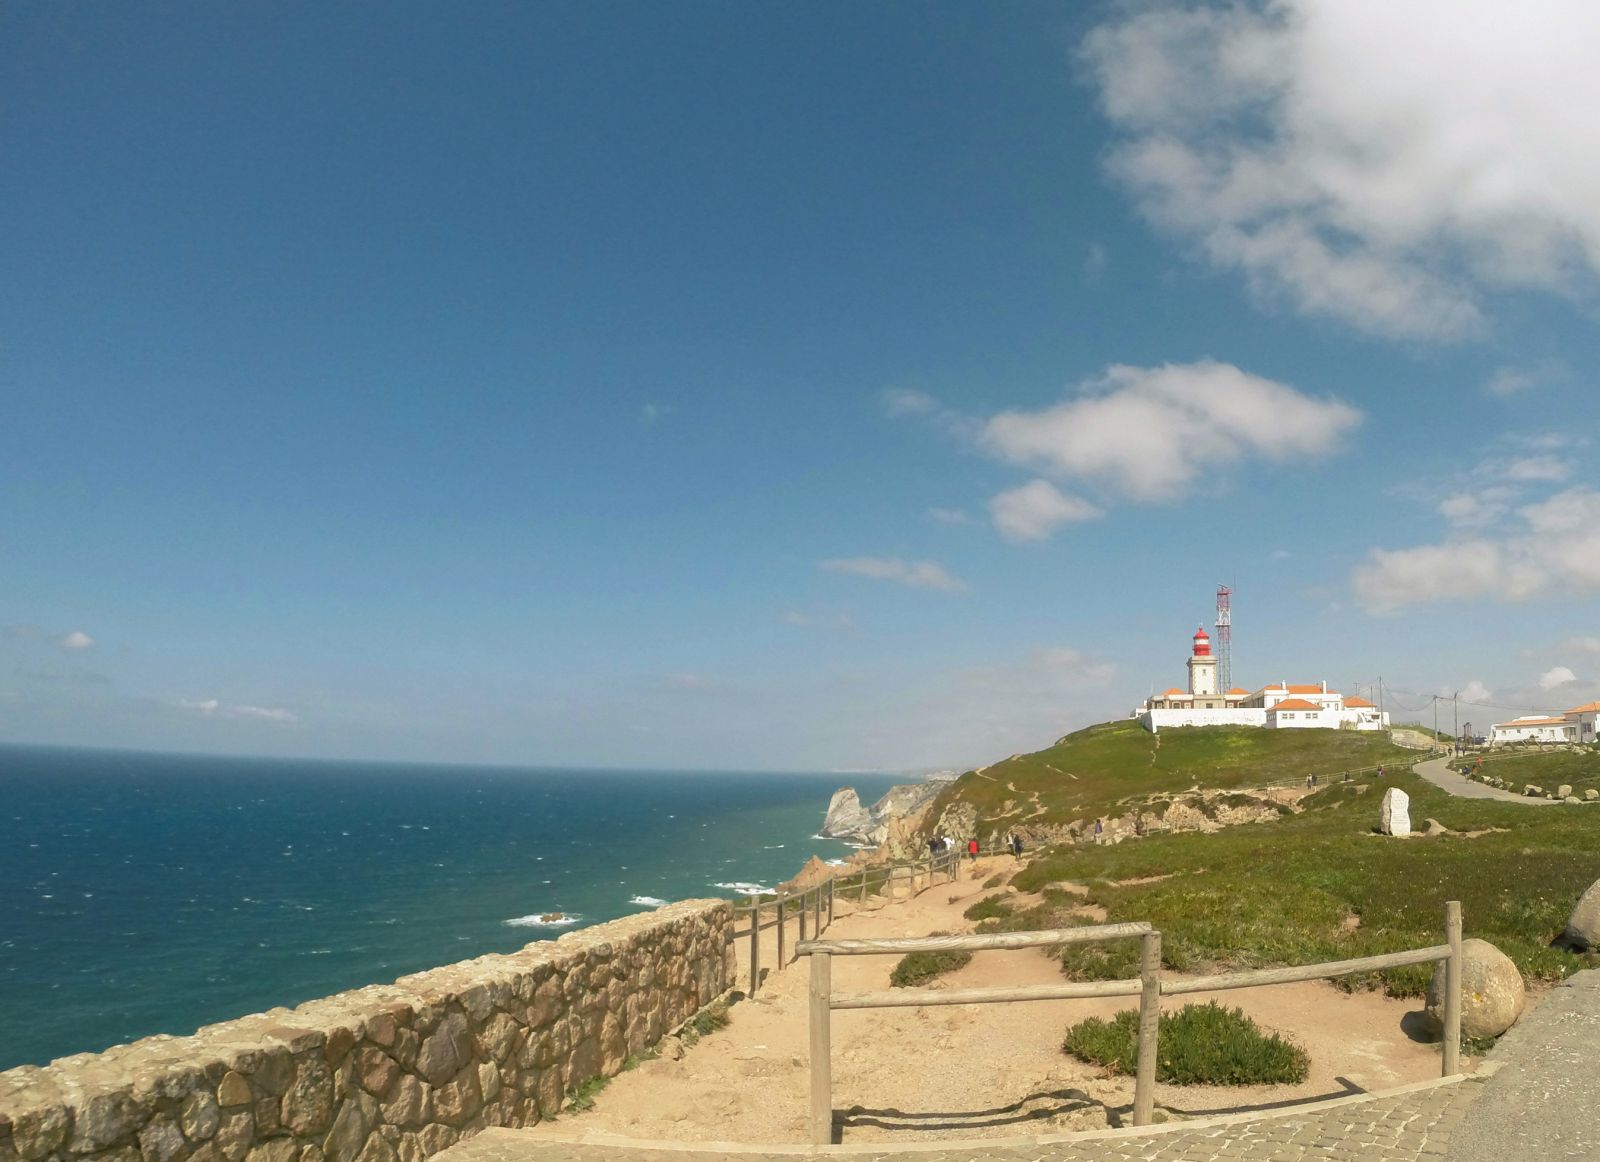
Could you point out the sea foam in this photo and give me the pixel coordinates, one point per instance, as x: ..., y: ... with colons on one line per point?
x: 537, y: 920
x: 648, y: 902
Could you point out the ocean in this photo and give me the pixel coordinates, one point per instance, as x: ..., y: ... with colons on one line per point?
x: 144, y: 893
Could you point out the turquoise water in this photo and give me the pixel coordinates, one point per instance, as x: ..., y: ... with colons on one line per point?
x: 146, y: 893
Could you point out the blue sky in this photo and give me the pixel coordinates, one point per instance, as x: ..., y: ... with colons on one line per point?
x: 831, y: 386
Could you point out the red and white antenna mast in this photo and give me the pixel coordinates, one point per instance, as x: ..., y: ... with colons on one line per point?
x: 1224, y: 638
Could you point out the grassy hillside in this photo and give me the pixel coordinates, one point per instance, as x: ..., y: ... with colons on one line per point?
x: 1093, y: 771
x: 1548, y: 770
x: 1321, y: 886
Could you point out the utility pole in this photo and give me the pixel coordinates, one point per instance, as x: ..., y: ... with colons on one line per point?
x: 1436, y: 719
x: 1454, y: 702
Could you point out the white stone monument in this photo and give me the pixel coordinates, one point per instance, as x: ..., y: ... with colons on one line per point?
x: 1394, y: 818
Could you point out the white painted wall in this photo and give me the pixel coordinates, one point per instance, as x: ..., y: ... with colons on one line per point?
x: 1154, y: 720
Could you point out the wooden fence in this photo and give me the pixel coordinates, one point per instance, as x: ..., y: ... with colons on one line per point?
x: 816, y: 903
x: 1149, y: 987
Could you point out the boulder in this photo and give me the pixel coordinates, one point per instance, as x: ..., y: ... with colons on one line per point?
x: 1591, y: 794
x: 1492, y: 993
x: 1582, y: 932
x: 1564, y: 791
x: 1436, y: 828
x: 1532, y: 789
x: 1394, y: 816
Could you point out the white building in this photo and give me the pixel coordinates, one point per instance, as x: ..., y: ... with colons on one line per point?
x: 1575, y: 725
x: 1281, y: 706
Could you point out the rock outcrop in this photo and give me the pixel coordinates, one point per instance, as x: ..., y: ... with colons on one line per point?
x: 1582, y: 933
x: 1492, y: 993
x: 848, y: 819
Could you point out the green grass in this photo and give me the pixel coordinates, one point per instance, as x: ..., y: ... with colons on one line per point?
x: 1548, y: 770
x: 920, y: 967
x: 1197, y: 1045
x: 1321, y: 886
x: 581, y: 1099
x: 1105, y: 769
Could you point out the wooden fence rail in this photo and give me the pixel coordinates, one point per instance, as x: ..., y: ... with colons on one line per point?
x: 1149, y: 987
x: 818, y: 902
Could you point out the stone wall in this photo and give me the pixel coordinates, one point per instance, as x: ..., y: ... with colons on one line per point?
x: 388, y: 1073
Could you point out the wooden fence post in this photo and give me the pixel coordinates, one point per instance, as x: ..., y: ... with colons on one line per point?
x: 861, y: 903
x: 801, y: 912
x: 1452, y: 990
x: 755, y: 944
x: 781, y: 902
x: 830, y: 901
x: 816, y: 914
x: 1144, y: 1089
x: 821, y: 1050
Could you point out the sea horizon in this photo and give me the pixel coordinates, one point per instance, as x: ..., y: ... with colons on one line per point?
x: 148, y: 892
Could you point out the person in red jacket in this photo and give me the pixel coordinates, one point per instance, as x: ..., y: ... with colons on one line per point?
x: 972, y: 849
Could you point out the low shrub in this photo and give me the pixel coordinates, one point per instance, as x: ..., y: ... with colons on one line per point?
x: 920, y: 967
x: 1198, y: 1045
x: 989, y: 908
x: 995, y: 880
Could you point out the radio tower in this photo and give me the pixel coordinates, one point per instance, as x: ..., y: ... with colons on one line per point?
x: 1224, y: 638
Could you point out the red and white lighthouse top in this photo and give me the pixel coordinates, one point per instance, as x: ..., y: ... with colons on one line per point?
x: 1202, y: 643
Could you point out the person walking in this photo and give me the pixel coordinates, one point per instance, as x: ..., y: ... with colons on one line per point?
x: 1016, y: 846
x: 972, y: 850
x: 1099, y: 829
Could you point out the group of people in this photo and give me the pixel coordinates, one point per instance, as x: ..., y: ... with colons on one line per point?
x: 941, y: 844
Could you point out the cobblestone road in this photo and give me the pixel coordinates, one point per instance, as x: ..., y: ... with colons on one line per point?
x: 1417, y: 1124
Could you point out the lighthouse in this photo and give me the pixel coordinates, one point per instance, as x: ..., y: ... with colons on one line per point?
x: 1202, y: 666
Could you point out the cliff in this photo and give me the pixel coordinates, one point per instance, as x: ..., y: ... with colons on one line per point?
x: 848, y: 819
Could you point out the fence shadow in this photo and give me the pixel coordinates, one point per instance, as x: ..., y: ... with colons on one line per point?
x: 1043, y: 1105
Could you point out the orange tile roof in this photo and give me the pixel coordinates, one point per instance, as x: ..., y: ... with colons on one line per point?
x: 1173, y: 691
x: 1297, y: 704
x: 1361, y: 702
x: 1586, y: 708
x: 1532, y: 721
x: 1239, y: 690
x: 1314, y: 688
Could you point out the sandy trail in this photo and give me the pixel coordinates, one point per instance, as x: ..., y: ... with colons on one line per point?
x: 964, y: 1071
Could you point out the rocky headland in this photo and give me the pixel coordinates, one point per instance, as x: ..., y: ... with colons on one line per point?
x: 849, y: 820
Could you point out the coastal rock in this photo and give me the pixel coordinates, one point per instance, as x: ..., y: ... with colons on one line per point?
x: 846, y: 817
x: 1564, y: 791
x: 814, y: 872
x: 1582, y: 932
x: 1492, y: 993
x: 1394, y: 816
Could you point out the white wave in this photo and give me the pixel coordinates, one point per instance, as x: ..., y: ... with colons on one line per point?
x: 743, y: 888
x: 648, y: 902
x: 772, y: 847
x: 537, y: 920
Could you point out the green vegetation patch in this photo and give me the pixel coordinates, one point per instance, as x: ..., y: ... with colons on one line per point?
x: 920, y: 967
x: 989, y: 908
x: 1103, y: 769
x: 1548, y: 769
x: 1321, y: 886
x: 1198, y: 1045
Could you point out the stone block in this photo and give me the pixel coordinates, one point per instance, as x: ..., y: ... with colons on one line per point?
x: 1394, y: 814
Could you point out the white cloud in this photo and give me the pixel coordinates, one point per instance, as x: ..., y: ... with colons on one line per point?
x: 75, y: 640
x: 1509, y: 381
x: 1035, y: 510
x: 1556, y: 550
x: 907, y: 401
x: 1556, y: 676
x: 950, y: 516
x: 1475, y: 691
x: 1475, y: 509
x: 1587, y: 645
x: 1151, y: 432
x: 1537, y: 468
x: 916, y: 574
x: 1383, y: 164
x: 214, y: 708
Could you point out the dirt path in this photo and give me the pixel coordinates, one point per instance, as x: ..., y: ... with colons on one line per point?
x: 963, y: 1071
